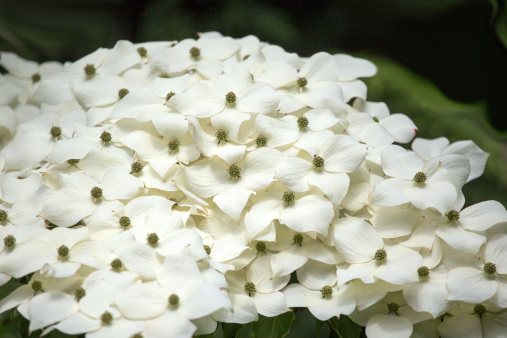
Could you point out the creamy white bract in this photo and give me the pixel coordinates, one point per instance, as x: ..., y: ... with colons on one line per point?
x: 155, y: 189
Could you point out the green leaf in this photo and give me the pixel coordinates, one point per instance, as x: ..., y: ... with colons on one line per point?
x: 344, y: 327
x: 273, y: 327
x: 230, y: 329
x: 9, y: 287
x: 245, y: 331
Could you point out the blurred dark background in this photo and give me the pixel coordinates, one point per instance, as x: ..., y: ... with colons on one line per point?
x: 441, y: 62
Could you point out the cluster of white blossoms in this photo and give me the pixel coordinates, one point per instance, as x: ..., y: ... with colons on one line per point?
x: 156, y: 189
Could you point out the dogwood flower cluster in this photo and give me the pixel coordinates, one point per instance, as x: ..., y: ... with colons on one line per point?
x: 156, y: 189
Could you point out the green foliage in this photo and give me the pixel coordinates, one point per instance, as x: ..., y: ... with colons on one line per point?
x: 269, y: 327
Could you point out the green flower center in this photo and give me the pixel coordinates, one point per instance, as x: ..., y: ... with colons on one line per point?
x: 124, y: 221
x: 9, y: 241
x: 73, y: 161
x: 367, y: 221
x: 122, y: 93
x: 393, y: 308
x: 3, y: 215
x: 303, y: 122
x: 318, y: 161
x: 298, y: 239
x: 246, y: 57
x: 174, y: 145
x: 423, y: 271
x: 152, y: 239
x: 420, y: 177
x: 221, y: 135
x: 106, y: 136
x: 207, y: 249
x: 96, y: 192
x: 116, y: 264
x: 174, y: 300
x: 106, y: 318
x: 326, y: 291
x: 137, y: 167
x: 288, y: 197
x: 142, y: 52
x: 250, y: 288
x: 195, y: 52
x: 37, y: 286
x: 302, y: 82
x: 35, y: 77
x: 63, y: 251
x: 261, y: 141
x: 164, y: 75
x: 380, y: 255
x: 260, y: 247
x: 375, y: 119
x: 479, y: 310
x: 175, y: 201
x: 79, y: 293
x: 137, y: 335
x: 55, y: 131
x: 452, y: 215
x: 230, y: 97
x: 490, y: 268
x: 234, y: 170
x: 89, y: 70
x: 169, y: 95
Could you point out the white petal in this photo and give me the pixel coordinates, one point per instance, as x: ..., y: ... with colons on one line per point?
x: 74, y: 148
x: 207, y: 178
x: 399, y: 268
x: 258, y: 98
x: 482, y: 216
x: 232, y: 199
x: 138, y: 208
x: 334, y: 185
x: 96, y: 163
x: 394, y: 222
x: 353, y: 68
x: 279, y: 132
x: 363, y: 271
x: 311, y: 141
x: 202, y: 300
x: 98, y: 91
x: 460, y: 239
x: 352, y: 89
x: 287, y: 261
x: 292, y: 171
x: 199, y: 101
x: 66, y: 208
x: 391, y: 192
x: 140, y: 258
x: 473, y: 153
x: 142, y: 301
x: 428, y: 297
x: 270, y: 304
x: 323, y: 95
x: 296, y: 295
x: 259, y: 168
x: 49, y: 308
x: 230, y: 120
x: 470, y: 285
x: 400, y: 126
x: 243, y: 310
x: 309, y: 213
x: 342, y: 154
x: 16, y: 297
x: 320, y: 119
x: 136, y: 105
x: 320, y: 67
x: 172, y: 325
x: 391, y: 326
x: 438, y: 195
x: 78, y: 323
x: 357, y: 242
x: 325, y: 308
x: 496, y: 252
x: 399, y: 163
x: 261, y: 215
x: 314, y: 275
x: 118, y: 184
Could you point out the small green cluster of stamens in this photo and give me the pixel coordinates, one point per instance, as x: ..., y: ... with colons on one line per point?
x: 221, y: 135
x: 207, y: 249
x: 393, y: 308
x: 288, y: 197
x: 326, y: 291
x: 122, y: 93
x: 106, y: 136
x: 55, y: 131
x: 137, y: 167
x: 169, y: 95
x: 9, y: 241
x: 106, y: 318
x: 152, y: 239
x: 261, y: 141
x: 303, y: 122
x: 36, y: 77
x: 380, y: 255
x: 420, y: 177
x: 79, y: 293
x: 302, y: 82
x: 318, y: 161
x: 479, y: 310
x: 36, y: 286
x: 3, y: 215
x: 250, y: 288
x: 96, y: 192
x: 116, y: 264
x: 142, y: 52
x: 298, y: 239
x: 73, y: 161
x: 174, y: 145
x: 260, y: 247
x: 124, y: 221
x: 89, y: 70
x: 452, y: 215
x: 173, y: 300
x: 195, y: 52
x: 63, y: 251
x: 234, y: 171
x: 230, y: 97
x: 423, y: 271
x: 490, y: 268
